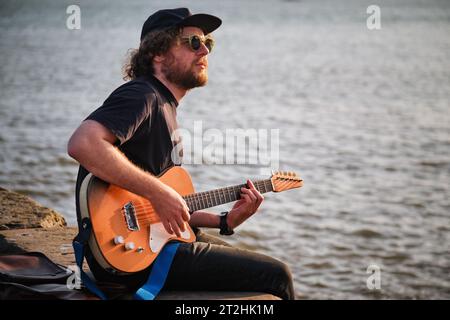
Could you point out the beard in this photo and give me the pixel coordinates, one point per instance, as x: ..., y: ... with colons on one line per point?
x: 185, y: 78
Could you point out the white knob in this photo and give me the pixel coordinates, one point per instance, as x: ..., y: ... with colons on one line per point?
x: 118, y: 240
x: 129, y: 245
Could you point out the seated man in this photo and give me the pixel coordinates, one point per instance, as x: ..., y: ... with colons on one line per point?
x: 128, y: 141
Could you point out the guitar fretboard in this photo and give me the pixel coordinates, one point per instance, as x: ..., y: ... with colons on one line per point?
x: 216, y: 197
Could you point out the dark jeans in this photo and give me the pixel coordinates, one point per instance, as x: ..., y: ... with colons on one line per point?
x: 210, y: 264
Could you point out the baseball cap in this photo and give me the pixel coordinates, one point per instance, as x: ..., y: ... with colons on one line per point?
x: 180, y: 17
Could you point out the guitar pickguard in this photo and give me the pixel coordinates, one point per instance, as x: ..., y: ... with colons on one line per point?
x: 159, y: 236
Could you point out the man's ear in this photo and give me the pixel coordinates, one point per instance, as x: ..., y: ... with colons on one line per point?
x: 159, y: 58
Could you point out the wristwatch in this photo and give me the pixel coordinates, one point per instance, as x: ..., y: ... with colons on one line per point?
x: 224, y: 228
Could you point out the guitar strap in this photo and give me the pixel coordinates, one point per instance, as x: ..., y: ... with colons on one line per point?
x: 155, y: 281
x: 158, y: 274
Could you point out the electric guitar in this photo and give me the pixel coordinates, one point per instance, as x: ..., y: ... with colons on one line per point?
x: 127, y: 234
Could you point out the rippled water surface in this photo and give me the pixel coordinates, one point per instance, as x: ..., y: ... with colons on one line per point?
x: 363, y: 117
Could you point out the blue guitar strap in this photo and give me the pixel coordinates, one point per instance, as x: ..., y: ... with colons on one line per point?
x: 158, y: 274
x: 155, y: 281
x: 79, y: 243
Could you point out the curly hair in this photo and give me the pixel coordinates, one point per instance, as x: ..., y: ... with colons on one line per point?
x: 140, y: 61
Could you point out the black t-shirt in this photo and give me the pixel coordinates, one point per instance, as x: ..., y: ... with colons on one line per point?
x: 142, y: 115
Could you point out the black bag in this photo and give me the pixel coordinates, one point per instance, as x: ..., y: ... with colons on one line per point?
x: 33, y: 276
x: 32, y: 268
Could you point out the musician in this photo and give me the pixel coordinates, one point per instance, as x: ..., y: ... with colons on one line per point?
x: 129, y: 140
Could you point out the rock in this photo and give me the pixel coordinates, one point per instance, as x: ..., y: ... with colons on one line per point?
x: 214, y: 295
x: 55, y: 243
x: 19, y: 211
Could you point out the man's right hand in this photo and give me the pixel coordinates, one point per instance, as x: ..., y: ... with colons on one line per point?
x: 92, y: 141
x: 171, y: 209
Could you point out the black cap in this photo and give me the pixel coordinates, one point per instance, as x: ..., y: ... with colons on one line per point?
x: 180, y: 17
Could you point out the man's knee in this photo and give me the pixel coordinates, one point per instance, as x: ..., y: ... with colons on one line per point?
x: 283, y: 281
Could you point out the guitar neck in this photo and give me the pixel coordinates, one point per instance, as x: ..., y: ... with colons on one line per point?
x: 216, y: 197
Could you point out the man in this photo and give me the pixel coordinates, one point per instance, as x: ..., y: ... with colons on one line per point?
x: 128, y: 141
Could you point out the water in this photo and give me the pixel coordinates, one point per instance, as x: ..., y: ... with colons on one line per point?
x: 363, y: 118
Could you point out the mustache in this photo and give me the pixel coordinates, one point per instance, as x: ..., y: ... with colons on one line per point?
x: 202, y: 61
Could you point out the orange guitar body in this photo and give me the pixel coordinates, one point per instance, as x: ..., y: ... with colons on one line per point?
x: 127, y: 234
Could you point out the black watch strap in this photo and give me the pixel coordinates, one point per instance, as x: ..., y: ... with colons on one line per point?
x: 224, y: 228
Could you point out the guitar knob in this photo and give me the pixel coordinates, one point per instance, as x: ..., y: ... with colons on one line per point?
x: 118, y: 240
x: 129, y: 245
x: 140, y: 249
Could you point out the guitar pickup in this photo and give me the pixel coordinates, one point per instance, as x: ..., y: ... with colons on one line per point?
x: 130, y: 216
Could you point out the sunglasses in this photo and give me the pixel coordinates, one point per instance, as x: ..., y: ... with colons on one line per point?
x: 195, y: 42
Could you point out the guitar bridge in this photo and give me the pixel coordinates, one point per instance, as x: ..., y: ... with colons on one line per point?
x: 130, y: 216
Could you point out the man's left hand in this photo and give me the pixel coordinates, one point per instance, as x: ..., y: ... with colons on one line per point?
x: 249, y: 203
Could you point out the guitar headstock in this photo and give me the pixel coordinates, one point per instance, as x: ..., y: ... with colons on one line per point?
x: 285, y: 180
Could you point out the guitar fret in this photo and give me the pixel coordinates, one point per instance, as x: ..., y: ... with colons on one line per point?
x: 269, y: 185
x: 262, y: 187
x: 231, y: 193
x: 211, y: 198
x: 200, y: 199
x: 204, y: 200
x: 208, y: 196
x: 219, y: 198
x: 257, y: 185
x: 188, y: 201
x: 216, y: 197
x: 196, y: 205
x: 223, y: 195
x: 191, y: 203
x: 237, y: 192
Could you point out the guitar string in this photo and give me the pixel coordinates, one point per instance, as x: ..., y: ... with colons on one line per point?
x: 146, y: 218
x: 144, y: 215
x: 207, y: 201
x: 141, y: 212
x: 203, y: 196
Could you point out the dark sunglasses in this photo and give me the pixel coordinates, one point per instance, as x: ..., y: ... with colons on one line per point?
x: 195, y: 42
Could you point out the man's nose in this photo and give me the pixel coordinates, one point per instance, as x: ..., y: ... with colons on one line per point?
x: 203, y: 50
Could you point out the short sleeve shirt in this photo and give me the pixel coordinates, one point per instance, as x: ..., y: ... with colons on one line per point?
x: 142, y: 115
